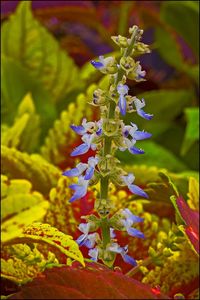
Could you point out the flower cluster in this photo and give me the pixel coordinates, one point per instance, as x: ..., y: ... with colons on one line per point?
x: 105, y: 137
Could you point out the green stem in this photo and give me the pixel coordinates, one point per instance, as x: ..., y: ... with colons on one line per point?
x: 105, y: 232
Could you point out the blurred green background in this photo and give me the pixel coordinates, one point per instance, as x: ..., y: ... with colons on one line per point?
x: 46, y: 49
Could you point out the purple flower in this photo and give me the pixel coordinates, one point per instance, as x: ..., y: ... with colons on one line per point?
x: 128, y: 180
x: 87, y: 239
x: 123, y: 252
x: 134, y: 133
x: 84, y: 128
x: 129, y: 144
x: 83, y: 148
x: 103, y: 63
x: 128, y: 219
x: 80, y: 189
x: 122, y: 91
x: 139, y: 73
x: 93, y: 253
x: 81, y: 167
x: 139, y: 104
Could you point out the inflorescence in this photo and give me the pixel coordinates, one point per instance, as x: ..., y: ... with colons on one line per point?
x: 105, y: 137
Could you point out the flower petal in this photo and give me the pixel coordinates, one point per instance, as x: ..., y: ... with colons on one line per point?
x: 137, y: 190
x: 129, y: 260
x: 97, y: 64
x: 78, y: 129
x: 89, y: 173
x: 134, y: 232
x: 81, y: 149
x: 144, y: 115
x: 122, y: 104
x: 80, y: 191
x: 93, y: 253
x: 135, y: 150
x: 141, y: 135
x: 71, y: 173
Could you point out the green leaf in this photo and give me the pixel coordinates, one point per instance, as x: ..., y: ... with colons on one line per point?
x: 25, y: 40
x: 16, y: 83
x: 17, y: 195
x: 192, y: 130
x: 173, y: 56
x: 24, y: 133
x: 60, y: 213
x: 13, y: 227
x: 155, y: 155
x: 61, y: 138
x: 161, y: 190
x: 24, y: 263
x: 165, y: 105
x: 44, y: 233
x: 42, y: 174
x: 183, y: 17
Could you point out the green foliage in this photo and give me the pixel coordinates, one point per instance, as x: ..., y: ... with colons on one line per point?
x: 17, y: 195
x: 26, y: 124
x: 61, y: 137
x: 155, y: 155
x: 192, y: 130
x: 60, y: 212
x: 26, y: 41
x: 165, y: 105
x: 25, y: 263
x: 44, y: 233
x: 174, y: 12
x: 33, y: 167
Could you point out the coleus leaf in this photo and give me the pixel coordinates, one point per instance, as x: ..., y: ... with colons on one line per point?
x: 13, y: 194
x: 45, y: 233
x: 191, y: 220
x: 34, y: 168
x: 192, y: 129
x: 26, y: 124
x: 93, y: 282
x: 38, y: 52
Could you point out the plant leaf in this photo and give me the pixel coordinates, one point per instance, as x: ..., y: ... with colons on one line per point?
x: 61, y: 138
x: 26, y: 124
x: 45, y: 233
x: 155, y: 155
x: 92, y: 282
x: 60, y: 212
x: 13, y: 227
x: 16, y: 83
x: 192, y: 130
x: 174, y: 12
x: 27, y: 41
x: 165, y: 105
x: 14, y: 192
x: 24, y: 263
x: 34, y: 168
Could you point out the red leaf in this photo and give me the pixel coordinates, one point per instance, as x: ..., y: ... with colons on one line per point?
x: 93, y: 282
x: 191, y: 219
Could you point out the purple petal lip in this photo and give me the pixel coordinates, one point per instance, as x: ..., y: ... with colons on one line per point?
x: 129, y: 260
x: 89, y: 173
x: 81, y: 149
x: 122, y: 105
x: 137, y: 190
x: 141, y: 135
x: 135, y: 232
x: 96, y: 64
x: 78, y: 129
x: 135, y: 150
x: 71, y: 173
x: 144, y: 115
